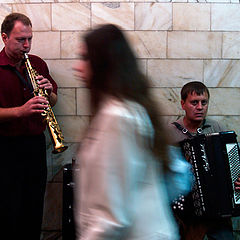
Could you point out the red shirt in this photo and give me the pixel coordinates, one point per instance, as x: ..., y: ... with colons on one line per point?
x: 13, y: 93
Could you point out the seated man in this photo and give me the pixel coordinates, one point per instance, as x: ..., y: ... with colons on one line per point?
x: 194, y: 101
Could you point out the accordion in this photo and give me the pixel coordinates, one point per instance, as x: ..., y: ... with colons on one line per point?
x: 216, y: 166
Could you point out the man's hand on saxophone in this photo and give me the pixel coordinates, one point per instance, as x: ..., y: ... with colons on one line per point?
x: 35, y: 105
x: 44, y: 83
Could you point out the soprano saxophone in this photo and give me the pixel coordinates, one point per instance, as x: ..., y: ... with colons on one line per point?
x: 52, y: 124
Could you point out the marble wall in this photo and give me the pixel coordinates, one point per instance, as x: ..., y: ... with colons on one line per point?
x: 175, y: 41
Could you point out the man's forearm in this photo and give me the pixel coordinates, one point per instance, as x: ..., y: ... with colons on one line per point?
x: 7, y: 114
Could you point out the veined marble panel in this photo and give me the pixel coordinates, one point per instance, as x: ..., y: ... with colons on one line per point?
x: 70, y: 42
x: 148, y: 44
x: 178, y: 1
x: 168, y: 100
x: 103, y: 1
x: 196, y: 1
x: 39, y: 14
x: 191, y: 16
x: 152, y: 1
x: 231, y: 45
x: 222, y: 73
x: 153, y: 16
x: 230, y: 122
x: 174, y: 73
x: 121, y: 14
x: 66, y: 104
x: 142, y: 65
x: 63, y: 73
x: 224, y: 101
x: 73, y: 127
x: 5, y: 9
x: 225, y: 17
x: 219, y: 1
x: 26, y: 1
x: 66, y: 1
x: 70, y: 16
x: 83, y: 101
x: 44, y: 48
x: 194, y: 44
x: 1, y: 45
x: 209, y: 1
x: 166, y: 120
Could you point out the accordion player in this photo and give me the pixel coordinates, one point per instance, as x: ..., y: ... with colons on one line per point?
x: 215, y: 163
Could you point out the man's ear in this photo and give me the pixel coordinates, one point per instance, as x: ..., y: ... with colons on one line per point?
x: 4, y: 37
x: 182, y: 104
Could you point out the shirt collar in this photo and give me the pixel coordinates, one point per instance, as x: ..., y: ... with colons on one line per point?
x: 4, y: 59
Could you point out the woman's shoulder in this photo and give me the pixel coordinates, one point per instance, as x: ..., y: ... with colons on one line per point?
x: 114, y: 107
x: 127, y: 112
x: 126, y: 109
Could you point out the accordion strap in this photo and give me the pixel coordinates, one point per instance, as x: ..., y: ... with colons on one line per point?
x: 185, y: 131
x: 182, y: 129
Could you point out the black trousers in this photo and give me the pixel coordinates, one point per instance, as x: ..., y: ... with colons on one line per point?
x: 23, y: 178
x: 217, y: 229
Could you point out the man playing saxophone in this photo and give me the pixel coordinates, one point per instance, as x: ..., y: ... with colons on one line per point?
x: 22, y: 141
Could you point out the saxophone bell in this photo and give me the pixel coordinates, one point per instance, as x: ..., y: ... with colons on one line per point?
x: 57, y: 139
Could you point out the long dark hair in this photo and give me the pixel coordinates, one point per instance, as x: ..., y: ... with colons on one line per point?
x: 116, y: 73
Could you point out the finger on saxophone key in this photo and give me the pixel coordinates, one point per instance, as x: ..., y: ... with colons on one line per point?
x: 34, y: 105
x: 41, y: 102
x: 44, y: 83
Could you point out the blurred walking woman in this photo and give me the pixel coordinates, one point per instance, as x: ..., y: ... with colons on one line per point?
x: 120, y: 192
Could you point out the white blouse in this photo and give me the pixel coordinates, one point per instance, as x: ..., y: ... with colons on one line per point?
x: 119, y: 188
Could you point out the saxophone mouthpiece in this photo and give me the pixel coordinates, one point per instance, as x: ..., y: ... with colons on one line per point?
x: 25, y: 55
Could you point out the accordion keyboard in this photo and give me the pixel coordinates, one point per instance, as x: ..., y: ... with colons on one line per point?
x: 234, y: 164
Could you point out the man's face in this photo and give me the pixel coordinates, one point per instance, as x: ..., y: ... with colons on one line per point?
x: 195, y: 107
x: 18, y: 42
